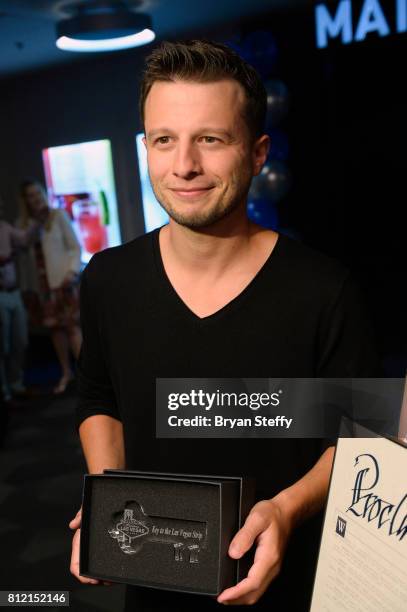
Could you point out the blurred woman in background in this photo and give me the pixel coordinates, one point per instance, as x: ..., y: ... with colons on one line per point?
x: 13, y: 317
x: 49, y: 274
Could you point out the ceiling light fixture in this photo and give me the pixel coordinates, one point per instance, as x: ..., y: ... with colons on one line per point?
x: 103, y: 26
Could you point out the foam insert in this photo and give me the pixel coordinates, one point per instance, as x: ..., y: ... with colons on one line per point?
x: 176, y: 532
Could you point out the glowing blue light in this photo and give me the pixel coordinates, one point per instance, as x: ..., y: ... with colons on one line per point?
x: 372, y: 19
x: 108, y: 44
x: 340, y: 24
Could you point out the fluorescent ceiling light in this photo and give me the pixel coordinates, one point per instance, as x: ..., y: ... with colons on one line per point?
x: 108, y: 44
x: 103, y: 25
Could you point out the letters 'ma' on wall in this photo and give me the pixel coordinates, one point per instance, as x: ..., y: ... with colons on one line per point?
x: 344, y: 23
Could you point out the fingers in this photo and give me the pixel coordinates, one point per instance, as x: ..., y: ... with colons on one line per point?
x: 250, y: 589
x: 266, y: 566
x: 244, y: 539
x: 244, y: 588
x: 74, y: 568
x: 76, y: 521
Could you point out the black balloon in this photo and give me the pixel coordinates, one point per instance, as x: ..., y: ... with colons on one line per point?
x: 277, y: 102
x: 260, y: 49
x: 272, y: 183
x: 264, y: 213
x: 279, y: 145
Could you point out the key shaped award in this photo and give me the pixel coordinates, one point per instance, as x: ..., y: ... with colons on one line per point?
x: 135, y: 529
x: 164, y: 531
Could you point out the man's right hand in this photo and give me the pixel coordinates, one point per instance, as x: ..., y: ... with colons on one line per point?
x: 102, y: 442
x: 75, y: 525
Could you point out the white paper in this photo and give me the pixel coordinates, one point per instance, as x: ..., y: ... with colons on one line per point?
x: 362, y: 565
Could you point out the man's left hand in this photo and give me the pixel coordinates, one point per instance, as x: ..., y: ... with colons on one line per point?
x: 269, y: 527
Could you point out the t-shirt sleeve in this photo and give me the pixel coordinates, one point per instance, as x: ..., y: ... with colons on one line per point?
x: 95, y: 390
x: 347, y: 346
x: 346, y: 341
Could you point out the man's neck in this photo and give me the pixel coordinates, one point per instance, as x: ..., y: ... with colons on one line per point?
x: 208, y: 269
x: 213, y: 249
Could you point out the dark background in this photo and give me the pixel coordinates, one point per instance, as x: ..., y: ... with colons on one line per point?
x: 346, y: 127
x: 346, y: 130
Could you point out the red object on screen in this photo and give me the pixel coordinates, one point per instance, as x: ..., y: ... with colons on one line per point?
x: 93, y: 234
x: 66, y: 201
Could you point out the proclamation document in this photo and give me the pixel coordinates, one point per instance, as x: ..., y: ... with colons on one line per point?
x: 362, y: 564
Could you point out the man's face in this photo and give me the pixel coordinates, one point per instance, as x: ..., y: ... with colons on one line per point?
x: 200, y: 155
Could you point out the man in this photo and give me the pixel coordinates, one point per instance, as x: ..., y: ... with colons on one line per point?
x: 213, y: 295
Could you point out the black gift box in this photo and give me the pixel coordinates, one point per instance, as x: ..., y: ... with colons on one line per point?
x: 166, y: 531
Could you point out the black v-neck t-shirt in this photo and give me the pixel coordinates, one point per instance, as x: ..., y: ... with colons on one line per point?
x: 300, y: 316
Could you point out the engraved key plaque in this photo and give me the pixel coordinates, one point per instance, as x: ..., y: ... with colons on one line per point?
x: 135, y: 529
x: 162, y: 531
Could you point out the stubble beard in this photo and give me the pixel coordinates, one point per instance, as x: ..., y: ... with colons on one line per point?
x: 216, y: 212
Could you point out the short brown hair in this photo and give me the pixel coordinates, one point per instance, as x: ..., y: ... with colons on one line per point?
x: 203, y: 61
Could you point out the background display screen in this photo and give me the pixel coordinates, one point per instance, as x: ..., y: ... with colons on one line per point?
x: 80, y: 179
